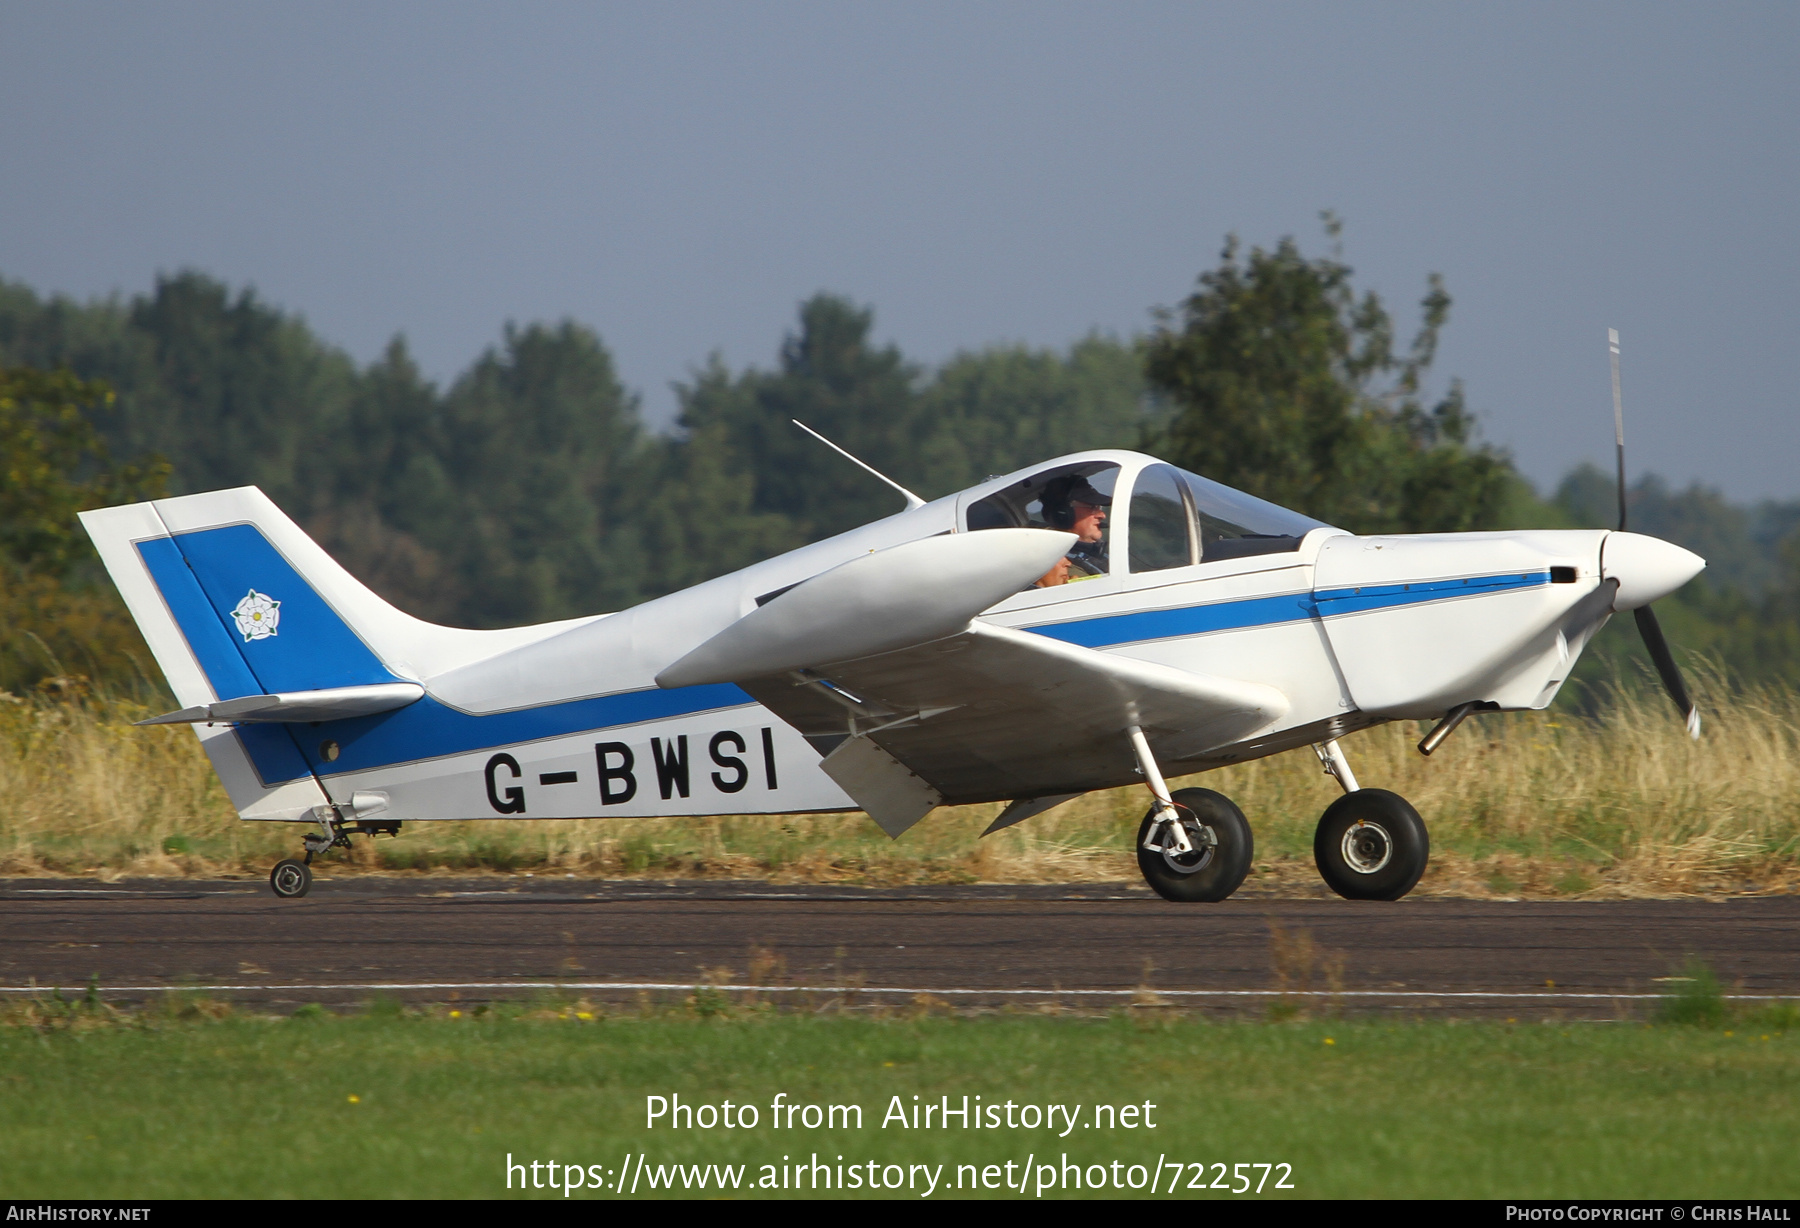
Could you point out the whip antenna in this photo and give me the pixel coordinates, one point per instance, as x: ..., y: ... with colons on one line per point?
x: 912, y: 500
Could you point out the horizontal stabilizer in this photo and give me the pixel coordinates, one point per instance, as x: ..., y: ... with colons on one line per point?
x: 329, y: 704
x: 909, y: 594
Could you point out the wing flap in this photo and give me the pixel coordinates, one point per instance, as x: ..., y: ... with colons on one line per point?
x: 890, y: 793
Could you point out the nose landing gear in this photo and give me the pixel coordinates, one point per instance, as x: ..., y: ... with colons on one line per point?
x: 1370, y: 844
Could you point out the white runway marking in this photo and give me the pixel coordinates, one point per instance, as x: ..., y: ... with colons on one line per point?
x: 893, y: 990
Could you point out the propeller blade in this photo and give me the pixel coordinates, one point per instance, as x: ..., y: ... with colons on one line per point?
x: 1648, y: 627
x: 1612, y: 344
x: 1651, y: 630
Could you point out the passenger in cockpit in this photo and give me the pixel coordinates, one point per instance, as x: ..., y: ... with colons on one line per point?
x: 1058, y: 574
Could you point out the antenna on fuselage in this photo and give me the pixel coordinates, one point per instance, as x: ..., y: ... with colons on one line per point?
x: 912, y: 500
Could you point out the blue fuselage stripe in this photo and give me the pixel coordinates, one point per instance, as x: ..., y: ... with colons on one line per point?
x: 1112, y: 630
x: 428, y: 729
x: 1182, y: 620
x: 1336, y: 601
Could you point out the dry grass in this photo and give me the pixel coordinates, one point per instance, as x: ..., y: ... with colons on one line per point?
x: 1522, y: 805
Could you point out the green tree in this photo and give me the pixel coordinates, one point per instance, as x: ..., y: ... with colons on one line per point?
x: 701, y: 519
x: 1288, y: 385
x: 231, y: 390
x: 242, y: 394
x: 738, y: 482
x: 836, y: 380
x: 56, y: 616
x: 543, y: 451
x: 995, y: 410
x: 396, y: 493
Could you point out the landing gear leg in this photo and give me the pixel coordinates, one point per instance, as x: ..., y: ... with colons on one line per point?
x: 1331, y: 755
x: 1194, y: 846
x: 291, y: 879
x: 1370, y: 844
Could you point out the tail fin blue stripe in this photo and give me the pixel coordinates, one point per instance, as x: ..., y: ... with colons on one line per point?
x: 310, y: 646
x: 206, y: 636
x: 270, y: 747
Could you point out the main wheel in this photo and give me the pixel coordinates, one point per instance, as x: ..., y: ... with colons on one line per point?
x: 290, y: 879
x: 1212, y: 871
x: 1371, y: 845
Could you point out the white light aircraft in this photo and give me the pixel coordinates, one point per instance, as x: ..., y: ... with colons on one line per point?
x: 911, y: 663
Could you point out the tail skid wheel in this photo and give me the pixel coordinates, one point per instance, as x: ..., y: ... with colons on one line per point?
x: 1212, y: 871
x: 290, y: 879
x: 1371, y: 845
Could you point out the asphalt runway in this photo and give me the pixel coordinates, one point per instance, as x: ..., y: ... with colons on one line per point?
x: 1086, y: 947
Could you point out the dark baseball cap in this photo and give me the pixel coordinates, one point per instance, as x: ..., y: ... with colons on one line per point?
x: 1082, y: 492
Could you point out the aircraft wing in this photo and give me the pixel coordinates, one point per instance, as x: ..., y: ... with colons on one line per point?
x: 993, y: 713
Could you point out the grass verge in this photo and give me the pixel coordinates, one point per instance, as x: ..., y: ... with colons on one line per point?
x: 1537, y: 805
x: 191, y: 1100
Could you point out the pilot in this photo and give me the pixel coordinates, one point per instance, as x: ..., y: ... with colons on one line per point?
x: 1074, y: 506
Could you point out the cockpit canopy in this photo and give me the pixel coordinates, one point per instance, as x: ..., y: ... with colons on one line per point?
x: 1174, y: 518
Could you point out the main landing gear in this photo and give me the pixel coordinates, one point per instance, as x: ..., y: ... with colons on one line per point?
x: 291, y: 879
x: 1196, y: 846
x: 1193, y: 846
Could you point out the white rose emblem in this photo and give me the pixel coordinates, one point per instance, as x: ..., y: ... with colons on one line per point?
x: 257, y: 615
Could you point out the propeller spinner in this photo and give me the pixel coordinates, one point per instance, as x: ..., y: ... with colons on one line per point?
x: 1646, y: 568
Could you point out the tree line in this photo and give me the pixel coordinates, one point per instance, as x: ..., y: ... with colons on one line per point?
x: 530, y: 487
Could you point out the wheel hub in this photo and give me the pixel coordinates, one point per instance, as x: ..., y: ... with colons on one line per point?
x: 1367, y: 847
x: 1203, y: 839
x: 289, y: 879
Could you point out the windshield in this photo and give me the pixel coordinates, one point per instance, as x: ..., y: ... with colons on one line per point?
x: 1168, y: 505
x: 1225, y: 512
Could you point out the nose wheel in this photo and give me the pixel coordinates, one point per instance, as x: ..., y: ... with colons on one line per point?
x: 1371, y: 845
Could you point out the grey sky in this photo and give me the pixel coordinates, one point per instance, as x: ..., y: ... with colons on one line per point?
x: 680, y: 176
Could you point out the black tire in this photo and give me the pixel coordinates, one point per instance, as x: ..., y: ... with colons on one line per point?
x: 290, y: 879
x: 1212, y: 873
x: 1371, y: 845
